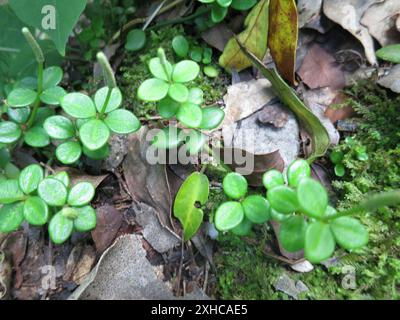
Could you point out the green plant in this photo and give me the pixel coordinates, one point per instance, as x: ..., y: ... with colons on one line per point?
x: 39, y: 200
x: 390, y: 53
x: 307, y: 220
x: 219, y: 8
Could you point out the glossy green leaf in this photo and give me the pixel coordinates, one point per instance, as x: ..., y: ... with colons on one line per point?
x: 211, y: 71
x: 256, y: 209
x: 196, y: 54
x: 114, y: 101
x: 153, y: 90
x: 78, y: 105
x: 195, y: 142
x: 243, y: 229
x: 185, y: 71
x: 312, y: 197
x: 243, y: 5
x: 5, y: 157
x: 190, y: 115
x: 277, y: 216
x: 390, y: 53
x: 207, y: 56
x: 36, y: 137
x: 168, y: 138
x: 218, y: 13
x: 10, y: 191
x: 52, y: 76
x: 167, y: 108
x: 21, y: 97
x: 228, y: 216
x: 11, y: 171
x: 11, y: 217
x: 212, y: 118
x: 63, y: 177
x: 99, y: 154
x: 336, y: 157
x: 53, y: 96
x: 53, y: 192
x: 81, y: 194
x: 135, y: 40
x: 122, y: 122
x: 86, y: 220
x: 159, y: 70
x: 298, y: 170
x: 178, y: 92
x: 60, y: 228
x: 180, y: 46
x: 30, y: 178
x: 224, y: 3
x: 283, y: 199
x: 272, y: 179
x: 36, y: 211
x: 340, y: 170
x: 235, y: 185
x: 9, y: 132
x: 59, y: 127
x: 319, y: 242
x: 349, y: 233
x: 196, y: 96
x: 292, y: 233
x: 42, y: 115
x: 69, y: 152
x: 19, y: 115
x: 193, y: 192
x: 94, y: 134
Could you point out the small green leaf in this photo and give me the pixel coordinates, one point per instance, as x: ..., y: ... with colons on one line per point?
x: 63, y: 177
x: 340, y: 170
x: 11, y: 171
x: 99, y: 154
x: 53, y: 96
x: 211, y: 71
x: 69, y: 152
x: 168, y: 108
x: 135, y: 40
x: 196, y: 54
x: 52, y: 76
x: 180, y: 46
x: 336, y: 157
x: 195, y: 142
x: 81, y: 194
x: 59, y: 127
x: 94, y: 134
x: 319, y: 242
x: 283, y: 199
x: 390, y: 53
x: 10, y: 192
x: 272, y: 179
x: 21, y: 97
x: 11, y: 217
x: 5, y: 157
x: 243, y: 5
x: 60, y: 228
x: 196, y: 96
x: 218, y: 13
x: 292, y: 233
x: 168, y: 138
x: 212, y: 118
x: 298, y: 170
x: 185, y: 71
x: 256, y: 209
x: 243, y: 229
x: 312, y: 197
x: 224, y: 3
x: 42, y: 115
x: 114, y: 102
x: 228, y: 216
x: 190, y: 115
x: 53, y: 192
x: 19, y: 115
x: 78, y: 105
x: 207, y: 56
x: 36, y: 211
x: 193, y: 192
x: 10, y: 132
x: 277, y: 216
x: 30, y: 178
x: 349, y: 233
x: 178, y: 92
x: 122, y: 122
x: 235, y: 185
x: 86, y: 220
x: 37, y: 137
x: 153, y: 90
x: 160, y: 71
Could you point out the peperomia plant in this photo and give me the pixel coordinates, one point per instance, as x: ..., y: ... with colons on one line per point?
x: 307, y: 220
x: 40, y: 200
x: 219, y: 8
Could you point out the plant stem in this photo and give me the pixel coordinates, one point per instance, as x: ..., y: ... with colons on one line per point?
x: 36, y: 105
x: 104, y: 108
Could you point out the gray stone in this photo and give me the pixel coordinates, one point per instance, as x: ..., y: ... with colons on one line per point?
x: 392, y: 79
x: 300, y: 285
x: 303, y: 266
x: 118, y: 151
x: 287, y: 285
x: 319, y: 111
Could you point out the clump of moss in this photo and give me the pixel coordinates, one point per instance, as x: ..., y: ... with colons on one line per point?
x: 134, y: 71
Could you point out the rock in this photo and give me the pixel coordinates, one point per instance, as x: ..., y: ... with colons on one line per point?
x: 287, y: 285
x: 118, y: 151
x: 301, y: 286
x: 273, y: 115
x: 159, y: 237
x: 303, y: 267
x: 319, y: 111
x: 331, y: 262
x: 392, y: 79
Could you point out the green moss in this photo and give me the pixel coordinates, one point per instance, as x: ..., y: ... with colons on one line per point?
x: 134, y: 71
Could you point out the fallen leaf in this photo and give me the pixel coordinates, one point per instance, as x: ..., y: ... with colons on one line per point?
x: 5, y: 276
x: 283, y: 36
x: 254, y: 36
x: 380, y: 19
x: 309, y: 10
x: 348, y: 14
x: 320, y: 69
x: 217, y: 36
x: 273, y: 115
